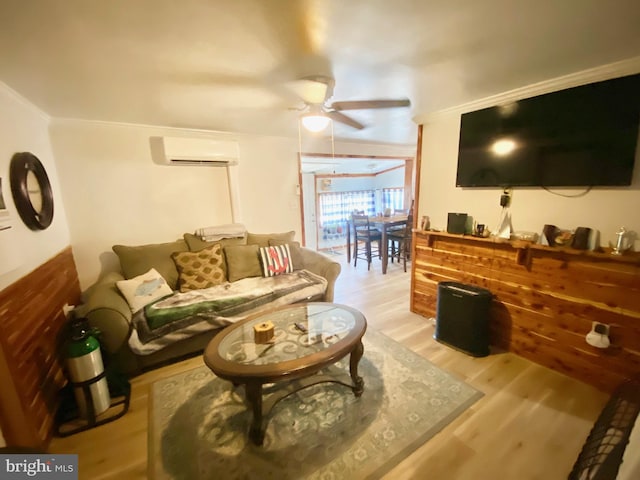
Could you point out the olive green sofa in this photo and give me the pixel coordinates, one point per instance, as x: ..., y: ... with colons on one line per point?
x: 107, y: 309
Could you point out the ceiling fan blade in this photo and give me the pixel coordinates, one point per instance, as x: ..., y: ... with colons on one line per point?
x: 342, y: 118
x: 367, y: 104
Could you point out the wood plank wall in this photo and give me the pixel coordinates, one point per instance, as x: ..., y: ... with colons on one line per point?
x: 30, y: 366
x: 545, y: 300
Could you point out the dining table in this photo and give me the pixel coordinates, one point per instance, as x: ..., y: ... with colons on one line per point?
x: 384, y: 224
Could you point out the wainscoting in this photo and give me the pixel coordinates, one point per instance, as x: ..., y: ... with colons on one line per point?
x: 30, y: 366
x: 545, y: 300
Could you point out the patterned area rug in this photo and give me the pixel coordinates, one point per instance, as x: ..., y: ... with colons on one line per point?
x: 199, y: 423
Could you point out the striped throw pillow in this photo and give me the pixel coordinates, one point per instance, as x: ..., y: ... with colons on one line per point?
x: 275, y: 260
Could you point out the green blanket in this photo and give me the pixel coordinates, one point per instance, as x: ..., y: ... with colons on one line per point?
x: 181, y: 315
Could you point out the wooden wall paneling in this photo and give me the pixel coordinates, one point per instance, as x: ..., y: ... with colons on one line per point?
x: 500, y: 327
x: 12, y: 415
x: 561, y: 324
x: 581, y: 292
x: 585, y: 281
x: 31, y: 310
x: 425, y: 305
x: 545, y: 300
x: 570, y: 362
x: 425, y: 283
x: 452, y: 268
x: 552, y: 335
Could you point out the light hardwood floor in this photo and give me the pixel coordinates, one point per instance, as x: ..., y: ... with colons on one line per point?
x: 530, y: 424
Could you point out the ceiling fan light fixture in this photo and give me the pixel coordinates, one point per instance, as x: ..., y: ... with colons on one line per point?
x: 315, y: 122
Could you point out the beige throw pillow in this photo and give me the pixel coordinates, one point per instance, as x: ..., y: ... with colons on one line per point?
x: 143, y: 289
x: 203, y: 269
x: 262, y: 239
x: 139, y: 259
x: 242, y: 261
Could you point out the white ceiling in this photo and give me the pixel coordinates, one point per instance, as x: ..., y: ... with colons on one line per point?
x: 223, y: 65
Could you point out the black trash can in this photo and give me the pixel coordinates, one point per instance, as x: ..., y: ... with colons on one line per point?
x: 462, y: 317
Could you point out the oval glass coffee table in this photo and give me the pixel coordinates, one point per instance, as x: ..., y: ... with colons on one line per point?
x: 309, y: 338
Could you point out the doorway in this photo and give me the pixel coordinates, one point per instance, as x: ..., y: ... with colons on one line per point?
x: 332, y: 186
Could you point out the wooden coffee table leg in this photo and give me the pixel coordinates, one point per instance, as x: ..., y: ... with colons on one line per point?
x: 354, y: 359
x: 254, y: 397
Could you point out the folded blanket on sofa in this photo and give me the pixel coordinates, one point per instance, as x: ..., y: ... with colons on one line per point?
x: 231, y: 230
x: 182, y: 315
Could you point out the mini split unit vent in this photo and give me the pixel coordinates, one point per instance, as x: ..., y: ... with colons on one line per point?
x: 193, y: 151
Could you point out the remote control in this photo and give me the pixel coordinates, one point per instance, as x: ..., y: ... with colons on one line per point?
x: 301, y: 327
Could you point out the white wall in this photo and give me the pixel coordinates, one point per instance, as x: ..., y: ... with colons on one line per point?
x: 268, y: 176
x: 603, y: 209
x: 115, y: 194
x: 391, y: 179
x: 346, y: 184
x: 24, y: 128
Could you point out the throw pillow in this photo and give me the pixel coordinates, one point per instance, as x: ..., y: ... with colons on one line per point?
x: 294, y: 250
x: 201, y: 269
x: 262, y: 239
x: 143, y: 289
x: 242, y: 262
x: 137, y: 260
x: 276, y: 260
x: 196, y: 244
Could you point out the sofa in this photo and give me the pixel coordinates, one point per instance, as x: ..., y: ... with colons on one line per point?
x: 222, y: 267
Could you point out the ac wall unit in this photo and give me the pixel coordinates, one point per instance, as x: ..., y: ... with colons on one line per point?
x: 193, y: 151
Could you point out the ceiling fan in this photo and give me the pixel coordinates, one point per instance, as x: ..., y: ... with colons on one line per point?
x: 316, y: 90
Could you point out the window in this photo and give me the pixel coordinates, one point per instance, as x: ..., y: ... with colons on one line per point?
x: 336, y: 207
x: 393, y: 198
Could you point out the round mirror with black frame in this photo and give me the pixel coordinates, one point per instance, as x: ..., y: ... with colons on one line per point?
x: 31, y: 190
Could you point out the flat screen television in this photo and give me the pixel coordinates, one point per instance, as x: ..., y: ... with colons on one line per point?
x: 581, y: 136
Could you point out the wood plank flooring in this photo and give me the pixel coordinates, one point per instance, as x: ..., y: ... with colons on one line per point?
x: 530, y: 424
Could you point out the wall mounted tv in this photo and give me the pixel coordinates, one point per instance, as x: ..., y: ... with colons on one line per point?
x: 581, y: 136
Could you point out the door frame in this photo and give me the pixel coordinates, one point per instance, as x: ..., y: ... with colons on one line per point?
x: 409, y: 181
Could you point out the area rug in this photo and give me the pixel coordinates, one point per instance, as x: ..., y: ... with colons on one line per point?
x: 199, y: 423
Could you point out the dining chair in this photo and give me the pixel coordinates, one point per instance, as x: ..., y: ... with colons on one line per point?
x: 402, y: 239
x: 363, y: 233
x: 397, y: 212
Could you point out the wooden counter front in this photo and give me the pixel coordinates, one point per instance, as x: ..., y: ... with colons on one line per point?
x: 545, y: 300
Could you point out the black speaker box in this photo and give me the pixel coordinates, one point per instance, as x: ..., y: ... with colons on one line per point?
x: 457, y: 223
x: 462, y: 317
x: 581, y: 238
x: 550, y: 232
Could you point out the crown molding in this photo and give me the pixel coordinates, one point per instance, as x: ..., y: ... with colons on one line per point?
x: 23, y: 101
x: 604, y: 72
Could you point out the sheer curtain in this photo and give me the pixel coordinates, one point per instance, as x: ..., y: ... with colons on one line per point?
x: 393, y: 198
x: 336, y: 207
